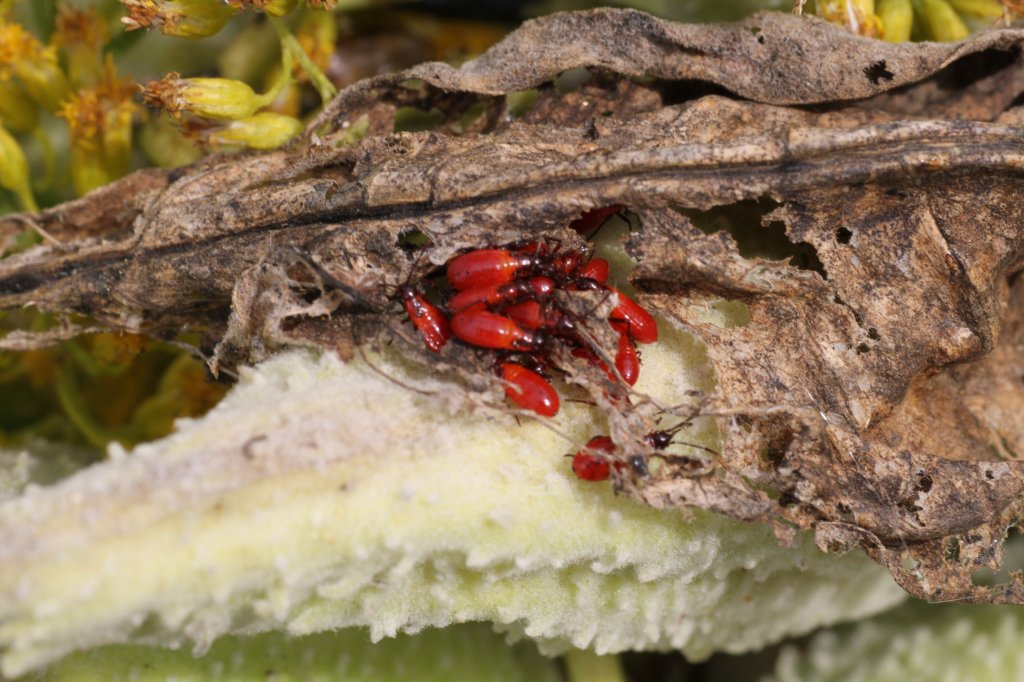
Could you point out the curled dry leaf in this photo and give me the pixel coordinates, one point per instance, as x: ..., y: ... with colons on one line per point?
x: 875, y: 395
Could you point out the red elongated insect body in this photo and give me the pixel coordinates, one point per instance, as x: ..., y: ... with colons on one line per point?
x: 529, y: 314
x: 627, y: 361
x: 536, y: 248
x: 488, y: 267
x: 570, y: 262
x: 589, y: 466
x: 631, y: 316
x: 594, y: 218
x: 501, y: 293
x: 529, y: 390
x: 431, y: 322
x: 480, y: 327
x: 545, y: 316
x: 596, y: 269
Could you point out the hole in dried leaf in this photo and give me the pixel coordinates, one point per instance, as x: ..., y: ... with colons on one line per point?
x: 843, y: 235
x: 873, y: 333
x: 412, y: 240
x: 755, y: 239
x: 412, y: 120
x: 1011, y: 562
x: 415, y: 84
x: 878, y: 72
x: 571, y: 80
x: 518, y: 103
x: 471, y: 116
x: 683, y: 91
x: 863, y: 348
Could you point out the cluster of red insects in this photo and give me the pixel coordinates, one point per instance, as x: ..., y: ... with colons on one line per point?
x: 503, y: 300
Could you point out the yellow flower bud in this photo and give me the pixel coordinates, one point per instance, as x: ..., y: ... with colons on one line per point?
x: 14, y: 171
x: 117, y: 139
x: 22, y: 55
x: 17, y: 110
x: 277, y: 8
x: 982, y: 9
x: 44, y: 80
x: 82, y: 34
x: 87, y: 170
x: 100, y: 120
x: 182, y: 18
x: 857, y: 16
x: 218, y: 98
x: 265, y: 130
x: 165, y: 144
x: 897, y: 17
x: 940, y: 21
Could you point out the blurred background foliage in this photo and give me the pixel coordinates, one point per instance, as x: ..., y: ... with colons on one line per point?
x: 92, y: 90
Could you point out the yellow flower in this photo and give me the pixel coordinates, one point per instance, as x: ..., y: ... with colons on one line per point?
x: 897, y: 17
x: 17, y: 110
x: 940, y: 21
x: 82, y: 34
x: 265, y: 130
x: 217, y: 98
x: 980, y: 9
x: 858, y: 16
x: 14, y: 171
x: 23, y: 56
x: 100, y: 120
x: 895, y: 20
x: 182, y: 18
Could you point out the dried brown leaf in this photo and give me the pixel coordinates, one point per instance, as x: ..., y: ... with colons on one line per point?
x: 875, y: 394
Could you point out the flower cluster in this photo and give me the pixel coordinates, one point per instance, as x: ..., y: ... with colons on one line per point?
x: 901, y: 20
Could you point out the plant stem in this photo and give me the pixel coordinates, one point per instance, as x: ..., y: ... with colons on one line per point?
x: 290, y: 45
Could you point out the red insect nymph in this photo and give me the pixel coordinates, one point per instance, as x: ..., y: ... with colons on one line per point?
x: 488, y: 267
x: 478, y: 326
x: 431, y: 322
x: 589, y: 466
x: 502, y: 293
x: 529, y: 390
x: 630, y: 316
